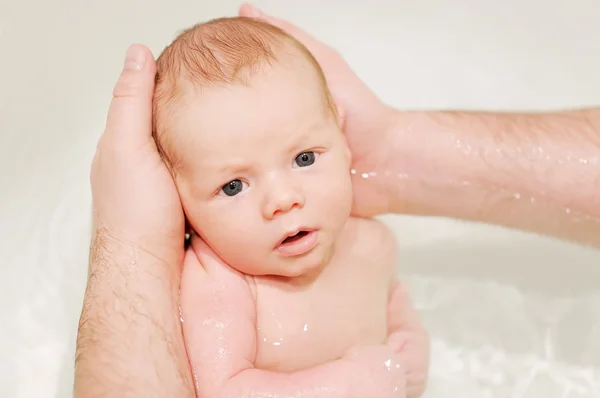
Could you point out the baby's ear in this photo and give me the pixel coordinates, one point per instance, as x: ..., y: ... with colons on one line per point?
x: 341, y: 119
x: 349, y: 155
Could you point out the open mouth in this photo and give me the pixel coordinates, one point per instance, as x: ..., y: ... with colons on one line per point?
x: 294, y: 238
x: 298, y: 244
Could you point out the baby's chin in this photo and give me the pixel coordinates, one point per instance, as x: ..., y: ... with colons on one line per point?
x: 305, y: 266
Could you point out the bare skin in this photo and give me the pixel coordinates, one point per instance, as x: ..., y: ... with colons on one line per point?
x: 279, y: 319
x: 534, y: 172
x: 246, y: 341
x: 136, y: 348
x: 130, y: 341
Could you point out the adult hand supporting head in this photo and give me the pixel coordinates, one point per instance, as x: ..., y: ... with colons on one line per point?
x: 129, y: 339
x: 516, y: 169
x: 134, y: 195
x: 368, y: 122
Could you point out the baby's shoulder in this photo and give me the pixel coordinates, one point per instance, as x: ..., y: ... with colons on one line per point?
x: 370, y: 240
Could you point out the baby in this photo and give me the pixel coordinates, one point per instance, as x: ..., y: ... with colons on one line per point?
x: 300, y: 299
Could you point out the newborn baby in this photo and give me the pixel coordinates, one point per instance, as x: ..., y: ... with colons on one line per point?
x: 298, y: 298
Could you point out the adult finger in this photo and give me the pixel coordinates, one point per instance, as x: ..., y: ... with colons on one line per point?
x: 249, y: 10
x: 129, y: 122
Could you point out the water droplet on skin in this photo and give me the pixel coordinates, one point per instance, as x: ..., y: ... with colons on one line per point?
x: 568, y: 210
x: 195, y: 377
x: 517, y: 195
x: 306, y: 327
x: 222, y: 352
x: 364, y: 175
x: 352, y: 171
x: 466, y: 148
x: 133, y: 255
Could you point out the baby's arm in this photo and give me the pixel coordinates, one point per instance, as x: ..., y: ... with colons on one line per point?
x: 406, y: 335
x: 219, y: 324
x: 409, y: 339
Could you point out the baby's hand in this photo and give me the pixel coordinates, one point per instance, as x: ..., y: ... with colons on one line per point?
x: 409, y: 339
x: 381, y: 372
x: 412, y: 349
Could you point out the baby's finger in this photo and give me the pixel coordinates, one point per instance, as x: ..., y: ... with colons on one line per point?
x: 129, y: 122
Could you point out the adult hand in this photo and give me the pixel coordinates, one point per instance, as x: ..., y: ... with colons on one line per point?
x: 129, y: 340
x: 134, y: 195
x: 530, y: 171
x: 368, y: 122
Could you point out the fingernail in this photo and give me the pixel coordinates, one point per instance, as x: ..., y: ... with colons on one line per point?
x: 255, y: 12
x: 135, y: 58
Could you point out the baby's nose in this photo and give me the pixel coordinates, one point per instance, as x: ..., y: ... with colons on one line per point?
x: 282, y: 199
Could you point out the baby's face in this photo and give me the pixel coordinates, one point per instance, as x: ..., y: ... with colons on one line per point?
x: 260, y: 164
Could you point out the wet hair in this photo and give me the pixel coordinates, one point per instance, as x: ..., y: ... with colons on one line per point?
x: 217, y: 52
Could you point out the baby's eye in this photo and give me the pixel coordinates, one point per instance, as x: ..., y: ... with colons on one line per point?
x: 305, y: 159
x: 233, y: 187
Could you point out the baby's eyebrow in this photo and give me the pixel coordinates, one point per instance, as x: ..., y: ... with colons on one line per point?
x: 303, y: 132
x: 233, y: 167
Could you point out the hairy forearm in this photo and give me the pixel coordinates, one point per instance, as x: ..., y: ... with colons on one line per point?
x: 538, y: 172
x: 130, y: 342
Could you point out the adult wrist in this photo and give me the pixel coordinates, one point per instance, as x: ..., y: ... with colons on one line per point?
x: 425, y: 167
x: 130, y: 305
x: 405, y: 155
x: 125, y: 246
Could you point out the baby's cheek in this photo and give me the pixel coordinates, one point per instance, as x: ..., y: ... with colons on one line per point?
x: 335, y: 199
x: 234, y: 237
x: 240, y: 243
x: 341, y: 192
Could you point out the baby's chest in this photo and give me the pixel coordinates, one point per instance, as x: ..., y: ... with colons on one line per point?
x: 299, y: 329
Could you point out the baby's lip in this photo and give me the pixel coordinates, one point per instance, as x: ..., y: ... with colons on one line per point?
x: 292, y: 233
x: 305, y: 239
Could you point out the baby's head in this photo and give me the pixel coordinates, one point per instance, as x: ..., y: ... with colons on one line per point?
x: 245, y: 122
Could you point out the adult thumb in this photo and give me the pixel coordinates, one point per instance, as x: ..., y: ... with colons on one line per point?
x: 129, y: 121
